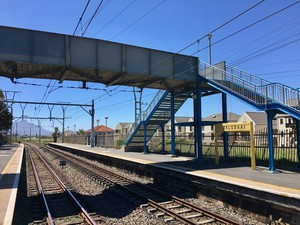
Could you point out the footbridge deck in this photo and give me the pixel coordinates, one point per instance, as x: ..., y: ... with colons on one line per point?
x: 36, y: 54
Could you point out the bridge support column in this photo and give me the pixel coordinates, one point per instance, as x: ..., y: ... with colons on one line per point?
x: 172, y: 125
x: 198, y: 120
x: 298, y: 140
x: 270, y: 116
x: 163, y: 138
x: 225, y: 120
x: 145, y: 138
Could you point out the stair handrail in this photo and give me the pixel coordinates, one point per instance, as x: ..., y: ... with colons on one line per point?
x: 280, y: 92
x: 276, y: 92
x: 246, y: 76
x: 153, y: 103
x: 145, y: 113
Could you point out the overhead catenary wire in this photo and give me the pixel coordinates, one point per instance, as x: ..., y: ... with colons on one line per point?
x: 221, y: 26
x: 219, y: 41
x: 115, y: 17
x: 92, y: 18
x: 140, y: 18
x: 46, y: 93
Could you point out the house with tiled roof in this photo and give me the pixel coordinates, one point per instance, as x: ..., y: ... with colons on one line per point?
x: 104, y: 136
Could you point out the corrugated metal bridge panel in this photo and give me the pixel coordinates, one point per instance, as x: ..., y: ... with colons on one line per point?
x: 36, y: 54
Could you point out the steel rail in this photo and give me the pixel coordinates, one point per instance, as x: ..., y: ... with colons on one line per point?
x: 157, y: 205
x: 41, y: 191
x: 84, y: 213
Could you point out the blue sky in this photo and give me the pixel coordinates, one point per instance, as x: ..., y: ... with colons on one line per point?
x: 269, y: 49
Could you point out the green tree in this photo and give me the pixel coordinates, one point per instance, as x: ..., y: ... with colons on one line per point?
x: 55, y: 134
x: 5, y: 116
x: 81, y: 132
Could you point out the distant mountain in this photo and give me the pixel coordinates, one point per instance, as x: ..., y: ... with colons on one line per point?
x: 23, y: 128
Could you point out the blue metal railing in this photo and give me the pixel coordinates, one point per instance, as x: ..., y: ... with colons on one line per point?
x: 252, y: 87
x: 146, y: 113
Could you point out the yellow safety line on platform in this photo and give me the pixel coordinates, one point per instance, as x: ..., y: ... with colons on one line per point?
x: 9, y: 162
x: 13, y: 195
x: 279, y: 190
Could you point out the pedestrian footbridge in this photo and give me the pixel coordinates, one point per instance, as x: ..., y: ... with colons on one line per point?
x: 36, y: 54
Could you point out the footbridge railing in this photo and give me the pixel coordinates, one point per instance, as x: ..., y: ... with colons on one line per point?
x: 252, y: 87
x: 146, y: 113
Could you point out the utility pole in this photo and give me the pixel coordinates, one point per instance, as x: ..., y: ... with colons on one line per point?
x: 74, y: 132
x: 64, y: 107
x: 40, y: 130
x: 209, y: 46
x: 105, y: 139
x: 137, y: 92
x: 92, y: 113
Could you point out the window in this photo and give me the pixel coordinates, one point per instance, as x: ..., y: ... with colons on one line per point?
x: 179, y: 129
x: 281, y: 121
x: 191, y: 128
x: 212, y: 127
x: 212, y: 137
x: 290, y: 120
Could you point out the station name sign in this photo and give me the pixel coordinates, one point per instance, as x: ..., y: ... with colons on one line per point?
x: 236, y: 127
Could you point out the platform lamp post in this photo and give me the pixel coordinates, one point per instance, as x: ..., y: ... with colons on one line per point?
x: 74, y: 133
x: 105, y: 140
x: 209, y: 47
x: 98, y: 120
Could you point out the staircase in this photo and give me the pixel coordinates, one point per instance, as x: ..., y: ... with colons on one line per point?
x: 257, y: 92
x: 158, y: 113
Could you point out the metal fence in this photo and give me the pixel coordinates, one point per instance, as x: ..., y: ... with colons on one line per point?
x: 285, y: 145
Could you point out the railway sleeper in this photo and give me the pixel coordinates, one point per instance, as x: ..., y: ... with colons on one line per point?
x: 160, y: 214
x: 151, y: 210
x: 183, y: 211
x: 168, y: 219
x: 206, y: 221
x: 194, y: 215
x: 144, y: 206
x: 173, y: 206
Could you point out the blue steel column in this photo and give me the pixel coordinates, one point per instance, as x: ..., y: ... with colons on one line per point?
x: 163, y: 138
x: 298, y: 140
x: 172, y: 125
x: 270, y: 117
x: 225, y: 120
x: 198, y: 119
x: 195, y: 125
x: 145, y: 138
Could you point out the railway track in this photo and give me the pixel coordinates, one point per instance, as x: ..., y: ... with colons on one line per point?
x: 164, y: 206
x: 59, y: 204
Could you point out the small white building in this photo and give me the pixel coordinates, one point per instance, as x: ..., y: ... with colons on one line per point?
x: 121, y: 130
x: 285, y: 137
x: 259, y: 120
x: 180, y: 131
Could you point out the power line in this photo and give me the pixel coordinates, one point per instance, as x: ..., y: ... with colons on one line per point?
x: 252, y: 24
x: 115, y: 17
x: 90, y: 21
x: 46, y: 93
x: 126, y: 28
x: 270, y: 36
x: 80, y: 19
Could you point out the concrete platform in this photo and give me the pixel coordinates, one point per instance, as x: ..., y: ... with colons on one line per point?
x: 10, y: 166
x: 282, y: 183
